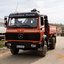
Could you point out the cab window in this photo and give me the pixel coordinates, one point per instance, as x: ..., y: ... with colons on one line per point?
x: 41, y: 21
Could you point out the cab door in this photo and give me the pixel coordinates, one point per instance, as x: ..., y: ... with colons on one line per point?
x: 42, y: 28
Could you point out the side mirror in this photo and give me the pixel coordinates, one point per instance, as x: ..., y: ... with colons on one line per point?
x: 46, y: 23
x: 5, y: 19
x: 6, y: 23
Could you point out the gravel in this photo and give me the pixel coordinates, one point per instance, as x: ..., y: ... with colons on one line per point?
x: 3, y: 50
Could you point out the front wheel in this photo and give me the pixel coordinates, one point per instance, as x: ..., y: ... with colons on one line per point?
x: 14, y: 51
x: 44, y: 49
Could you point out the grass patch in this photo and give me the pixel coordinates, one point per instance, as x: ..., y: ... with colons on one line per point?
x: 2, y: 43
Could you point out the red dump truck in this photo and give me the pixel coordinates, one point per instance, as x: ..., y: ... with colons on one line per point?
x: 29, y: 31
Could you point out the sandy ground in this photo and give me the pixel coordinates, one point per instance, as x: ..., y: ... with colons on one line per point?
x: 32, y: 57
x: 3, y: 50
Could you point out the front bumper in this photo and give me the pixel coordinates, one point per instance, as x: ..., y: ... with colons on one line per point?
x: 27, y: 46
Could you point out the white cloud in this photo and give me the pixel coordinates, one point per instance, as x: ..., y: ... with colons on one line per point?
x: 40, y: 3
x: 53, y: 8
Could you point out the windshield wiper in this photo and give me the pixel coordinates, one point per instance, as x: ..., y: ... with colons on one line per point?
x: 20, y: 26
x: 26, y: 26
x: 14, y: 26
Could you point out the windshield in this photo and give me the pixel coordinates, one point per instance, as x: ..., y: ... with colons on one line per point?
x: 23, y: 22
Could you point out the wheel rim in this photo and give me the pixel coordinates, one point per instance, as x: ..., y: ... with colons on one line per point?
x: 45, y: 49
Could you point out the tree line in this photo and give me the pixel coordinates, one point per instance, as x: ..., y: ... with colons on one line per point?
x: 59, y: 25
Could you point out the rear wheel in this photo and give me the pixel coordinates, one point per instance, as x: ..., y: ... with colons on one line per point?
x: 44, y: 49
x: 14, y: 51
x: 52, y: 45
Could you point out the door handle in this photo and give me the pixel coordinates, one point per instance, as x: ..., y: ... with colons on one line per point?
x: 40, y: 28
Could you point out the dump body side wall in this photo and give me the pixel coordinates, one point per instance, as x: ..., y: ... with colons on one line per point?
x: 52, y: 30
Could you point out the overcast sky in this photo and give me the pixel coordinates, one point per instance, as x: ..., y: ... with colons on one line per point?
x: 54, y: 9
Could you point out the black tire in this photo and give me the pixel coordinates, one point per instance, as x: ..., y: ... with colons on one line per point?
x: 53, y: 43
x: 44, y: 49
x: 14, y: 51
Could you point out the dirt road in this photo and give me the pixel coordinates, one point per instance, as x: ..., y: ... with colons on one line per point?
x: 31, y: 57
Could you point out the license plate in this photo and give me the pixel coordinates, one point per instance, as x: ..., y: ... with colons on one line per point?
x: 20, y: 46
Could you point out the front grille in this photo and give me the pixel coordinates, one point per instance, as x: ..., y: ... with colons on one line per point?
x: 24, y: 36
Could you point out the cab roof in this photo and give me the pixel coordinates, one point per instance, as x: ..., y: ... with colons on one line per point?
x: 26, y: 14
x: 33, y: 13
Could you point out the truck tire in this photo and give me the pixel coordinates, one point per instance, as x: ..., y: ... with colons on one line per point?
x: 52, y: 45
x: 44, y: 49
x: 14, y: 51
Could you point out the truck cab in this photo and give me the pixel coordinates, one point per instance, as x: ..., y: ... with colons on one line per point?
x: 29, y: 31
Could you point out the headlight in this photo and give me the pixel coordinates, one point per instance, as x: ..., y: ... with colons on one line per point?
x: 9, y: 44
x: 33, y: 45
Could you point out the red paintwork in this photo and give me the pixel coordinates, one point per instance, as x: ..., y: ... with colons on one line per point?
x: 51, y: 30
